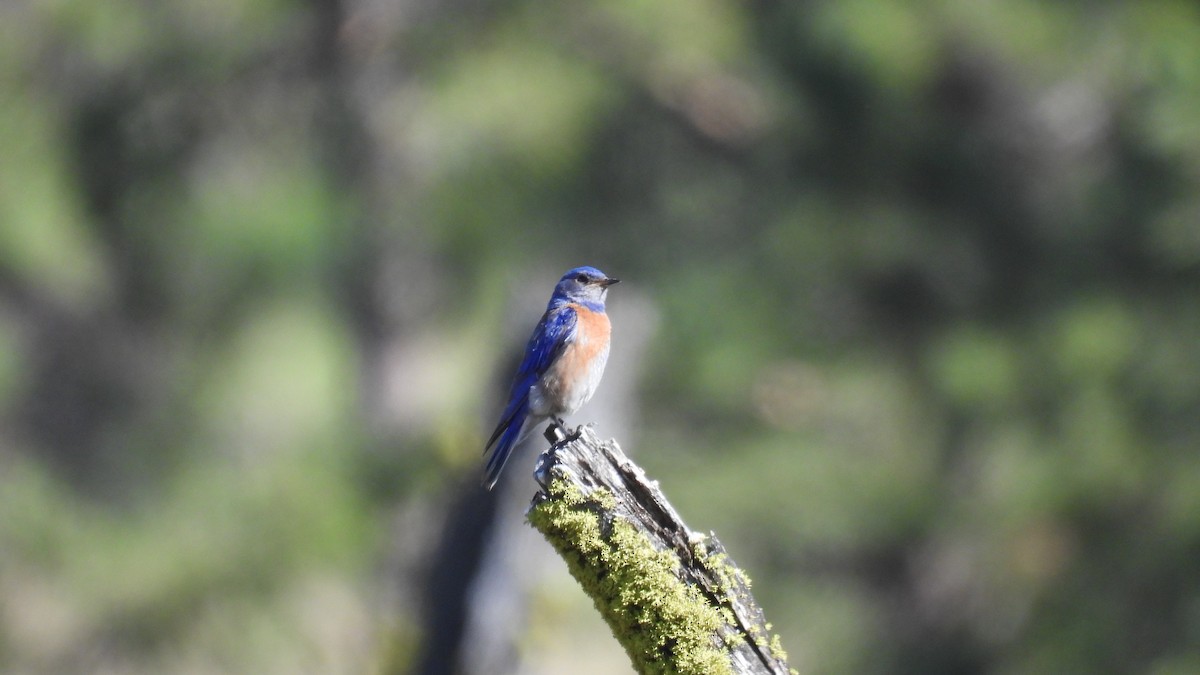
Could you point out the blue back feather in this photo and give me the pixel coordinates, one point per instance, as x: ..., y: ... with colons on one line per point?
x: 545, y: 345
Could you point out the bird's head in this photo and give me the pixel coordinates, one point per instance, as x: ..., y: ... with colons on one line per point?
x: 584, y: 285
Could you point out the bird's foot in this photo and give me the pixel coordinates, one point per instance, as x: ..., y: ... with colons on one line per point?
x: 557, y: 431
x: 574, y: 435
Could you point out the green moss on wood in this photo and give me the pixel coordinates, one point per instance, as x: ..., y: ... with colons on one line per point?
x: 664, y: 625
x: 732, y: 580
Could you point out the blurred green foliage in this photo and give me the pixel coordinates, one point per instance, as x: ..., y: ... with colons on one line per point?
x: 927, y: 276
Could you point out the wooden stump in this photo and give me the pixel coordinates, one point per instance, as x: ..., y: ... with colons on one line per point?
x: 672, y: 597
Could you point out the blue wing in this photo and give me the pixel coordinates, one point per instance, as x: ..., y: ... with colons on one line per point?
x: 549, y: 339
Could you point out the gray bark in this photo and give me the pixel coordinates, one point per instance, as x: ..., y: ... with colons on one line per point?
x: 595, y: 470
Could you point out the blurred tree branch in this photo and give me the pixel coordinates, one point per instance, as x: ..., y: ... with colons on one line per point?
x: 673, y: 598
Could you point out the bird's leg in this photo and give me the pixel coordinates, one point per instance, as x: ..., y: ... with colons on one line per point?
x: 557, y: 431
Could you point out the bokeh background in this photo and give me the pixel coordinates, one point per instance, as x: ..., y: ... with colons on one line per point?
x: 910, y: 318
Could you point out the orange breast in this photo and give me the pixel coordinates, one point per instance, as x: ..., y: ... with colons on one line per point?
x: 592, y: 332
x: 571, y: 380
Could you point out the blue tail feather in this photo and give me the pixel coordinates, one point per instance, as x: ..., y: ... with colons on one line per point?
x: 509, y: 433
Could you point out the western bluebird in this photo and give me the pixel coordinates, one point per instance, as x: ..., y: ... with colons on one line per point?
x: 563, y: 363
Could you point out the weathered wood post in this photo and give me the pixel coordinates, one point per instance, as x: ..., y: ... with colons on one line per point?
x: 672, y: 597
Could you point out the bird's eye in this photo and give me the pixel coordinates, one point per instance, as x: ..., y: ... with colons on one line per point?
x: 581, y: 278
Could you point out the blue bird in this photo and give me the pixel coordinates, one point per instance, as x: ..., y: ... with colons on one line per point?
x: 563, y: 363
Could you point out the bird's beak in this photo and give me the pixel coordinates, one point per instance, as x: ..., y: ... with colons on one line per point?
x: 608, y: 281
